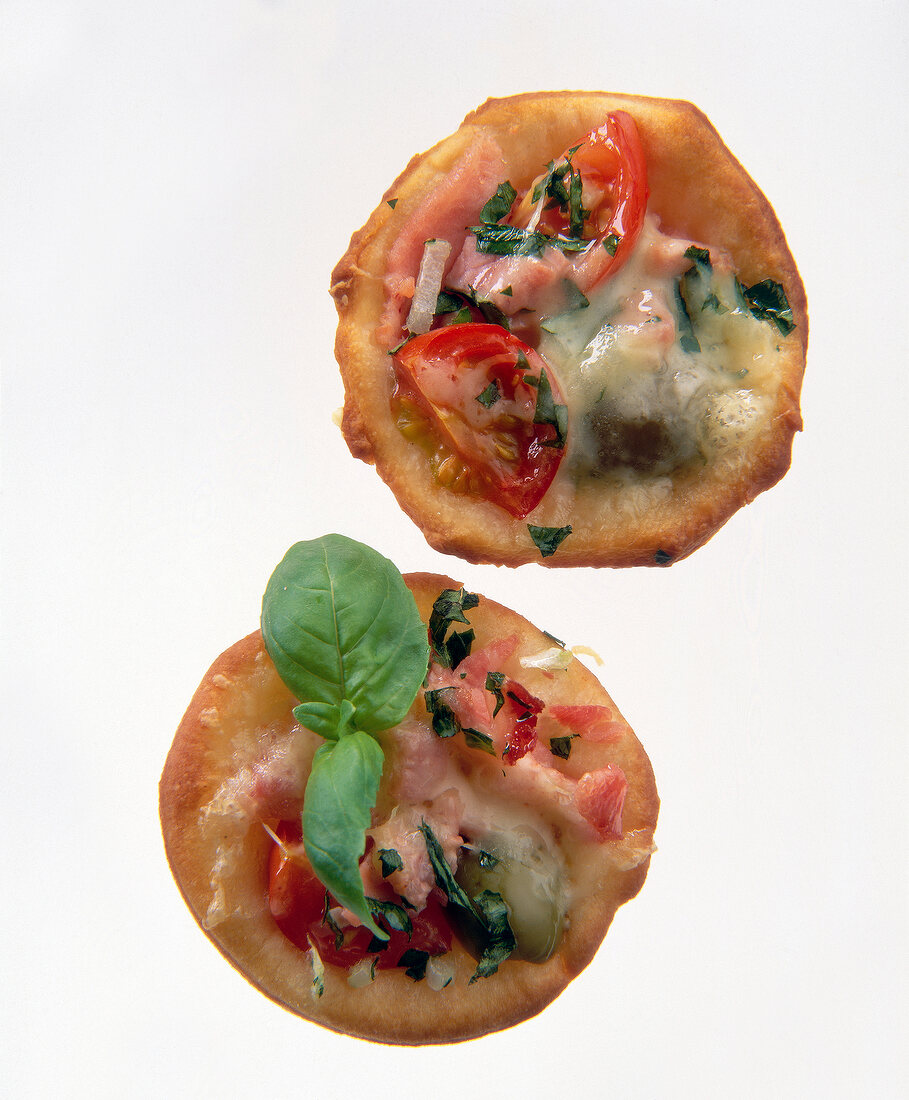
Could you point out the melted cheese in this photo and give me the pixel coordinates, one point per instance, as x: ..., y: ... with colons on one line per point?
x: 642, y: 396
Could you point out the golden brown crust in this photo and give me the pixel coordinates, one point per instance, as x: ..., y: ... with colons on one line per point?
x: 242, y: 704
x: 700, y: 191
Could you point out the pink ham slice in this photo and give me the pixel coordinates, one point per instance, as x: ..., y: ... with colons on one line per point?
x: 445, y: 213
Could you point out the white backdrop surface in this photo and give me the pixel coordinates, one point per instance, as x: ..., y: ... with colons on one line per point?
x: 177, y: 181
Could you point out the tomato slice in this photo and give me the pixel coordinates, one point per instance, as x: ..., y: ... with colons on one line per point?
x: 521, y: 709
x: 610, y: 206
x: 492, y: 404
x: 297, y: 901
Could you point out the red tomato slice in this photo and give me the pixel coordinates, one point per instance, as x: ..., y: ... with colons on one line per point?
x: 521, y: 710
x: 613, y: 172
x: 297, y: 902
x: 486, y: 400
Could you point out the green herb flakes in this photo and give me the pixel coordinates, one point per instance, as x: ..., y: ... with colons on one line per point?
x: 548, y: 539
x: 390, y: 861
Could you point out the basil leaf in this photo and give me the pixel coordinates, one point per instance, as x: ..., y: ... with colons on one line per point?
x: 499, y: 205
x: 340, y: 794
x: 500, y: 938
x: 390, y: 860
x: 449, y: 608
x: 490, y: 395
x: 494, y: 682
x: 444, y: 722
x: 611, y: 243
x: 561, y: 746
x: 345, y: 635
x: 329, y: 921
x: 508, y: 240
x: 414, y: 962
x: 491, y: 313
x: 699, y: 255
x: 687, y: 339
x: 486, y: 916
x: 548, y: 412
x: 768, y: 302
x: 394, y: 915
x: 477, y: 740
x: 548, y: 539
x: 445, y: 880
x: 447, y: 302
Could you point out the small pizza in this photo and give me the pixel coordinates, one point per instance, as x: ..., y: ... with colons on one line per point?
x: 399, y: 809
x: 572, y: 332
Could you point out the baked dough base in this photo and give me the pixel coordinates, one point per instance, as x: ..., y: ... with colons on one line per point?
x: 700, y: 191
x: 242, y: 704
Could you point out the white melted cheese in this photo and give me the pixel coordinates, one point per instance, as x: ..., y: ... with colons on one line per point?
x: 642, y: 397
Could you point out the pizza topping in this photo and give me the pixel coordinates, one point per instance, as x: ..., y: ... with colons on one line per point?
x: 519, y: 867
x: 508, y: 449
x: 654, y: 352
x: 572, y: 228
x: 467, y: 845
x: 344, y: 633
x: 428, y: 285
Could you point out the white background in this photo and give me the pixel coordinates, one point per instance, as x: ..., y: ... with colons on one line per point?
x: 178, y: 180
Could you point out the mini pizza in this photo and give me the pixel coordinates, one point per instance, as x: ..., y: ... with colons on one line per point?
x: 572, y: 332
x: 401, y: 810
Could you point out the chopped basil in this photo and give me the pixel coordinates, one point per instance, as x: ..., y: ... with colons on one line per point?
x: 447, y: 302
x: 494, y: 682
x: 662, y: 557
x: 499, y: 205
x: 687, y: 339
x: 561, y: 746
x: 477, y: 740
x: 329, y: 921
x: 449, y: 608
x: 392, y: 203
x: 445, y: 880
x: 567, y: 199
x: 508, y: 292
x: 575, y: 298
x: 611, y: 243
x: 548, y: 412
x: 394, y: 915
x: 491, y: 313
x: 509, y: 240
x: 414, y: 963
x: 486, y: 916
x: 552, y: 637
x: 400, y: 344
x: 390, y: 860
x: 768, y: 302
x: 699, y: 255
x: 712, y: 302
x: 548, y: 539
x: 444, y: 721
x: 500, y: 941
x: 487, y: 860
x: 490, y: 395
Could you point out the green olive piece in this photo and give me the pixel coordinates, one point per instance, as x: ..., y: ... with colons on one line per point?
x: 518, y: 865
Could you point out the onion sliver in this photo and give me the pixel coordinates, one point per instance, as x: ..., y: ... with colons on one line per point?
x: 429, y: 283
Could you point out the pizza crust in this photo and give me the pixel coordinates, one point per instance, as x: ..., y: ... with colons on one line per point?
x: 219, y: 856
x: 701, y: 192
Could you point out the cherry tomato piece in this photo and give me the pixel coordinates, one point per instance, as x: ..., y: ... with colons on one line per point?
x: 494, y: 406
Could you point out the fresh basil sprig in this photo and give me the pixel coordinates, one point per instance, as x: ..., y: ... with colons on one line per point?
x: 346, y: 638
